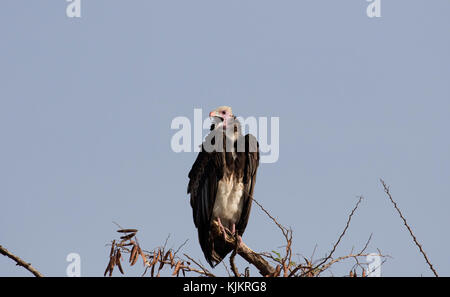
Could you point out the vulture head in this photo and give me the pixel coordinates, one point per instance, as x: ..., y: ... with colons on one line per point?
x: 223, y: 120
x: 222, y: 115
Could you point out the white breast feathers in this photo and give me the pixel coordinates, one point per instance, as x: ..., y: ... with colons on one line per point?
x: 229, y: 202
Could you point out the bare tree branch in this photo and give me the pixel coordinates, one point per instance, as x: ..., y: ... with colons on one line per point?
x: 386, y: 190
x: 315, y: 268
x: 20, y: 262
x: 283, y: 229
x: 245, y: 252
x: 233, y: 265
x: 283, y: 265
x: 343, y: 232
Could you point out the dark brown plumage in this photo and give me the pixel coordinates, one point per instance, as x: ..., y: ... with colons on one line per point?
x: 231, y: 173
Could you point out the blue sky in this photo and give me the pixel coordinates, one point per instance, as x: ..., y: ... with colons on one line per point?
x: 86, y: 106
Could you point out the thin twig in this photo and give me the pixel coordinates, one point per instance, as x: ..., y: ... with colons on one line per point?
x: 205, y: 271
x: 367, y: 244
x: 226, y: 268
x: 233, y: 265
x: 335, y: 245
x: 386, y: 190
x: 343, y: 232
x: 282, y: 228
x: 355, y: 256
x: 165, y: 242
x: 20, y: 262
x: 287, y: 233
x: 179, y: 248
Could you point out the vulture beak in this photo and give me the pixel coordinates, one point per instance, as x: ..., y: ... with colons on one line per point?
x: 214, y: 114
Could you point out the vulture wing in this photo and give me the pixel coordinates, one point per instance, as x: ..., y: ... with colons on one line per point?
x: 207, y: 170
x: 204, y: 177
x: 249, y: 179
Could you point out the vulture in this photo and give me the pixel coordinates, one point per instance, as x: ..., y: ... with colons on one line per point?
x: 221, y: 183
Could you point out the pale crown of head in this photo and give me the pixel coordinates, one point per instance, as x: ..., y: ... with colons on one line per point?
x: 222, y: 111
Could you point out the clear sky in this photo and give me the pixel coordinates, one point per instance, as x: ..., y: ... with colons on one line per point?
x: 86, y: 107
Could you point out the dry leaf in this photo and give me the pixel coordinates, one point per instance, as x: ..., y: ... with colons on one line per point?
x: 166, y: 256
x: 135, y: 257
x: 112, y: 248
x: 111, y: 266
x: 117, y: 260
x: 144, y: 258
x: 159, y: 255
x: 177, y: 267
x: 120, y: 267
x: 128, y: 236
x: 132, y: 253
x: 155, y: 258
x: 161, y: 264
x: 127, y: 231
x: 107, y: 267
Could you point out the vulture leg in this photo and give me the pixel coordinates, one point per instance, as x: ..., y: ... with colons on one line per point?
x: 239, y: 241
x: 222, y: 228
x: 238, y: 237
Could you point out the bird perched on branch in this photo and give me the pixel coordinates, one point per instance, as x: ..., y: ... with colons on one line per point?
x: 221, y: 183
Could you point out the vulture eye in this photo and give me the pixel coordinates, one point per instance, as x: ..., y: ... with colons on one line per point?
x: 223, y: 112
